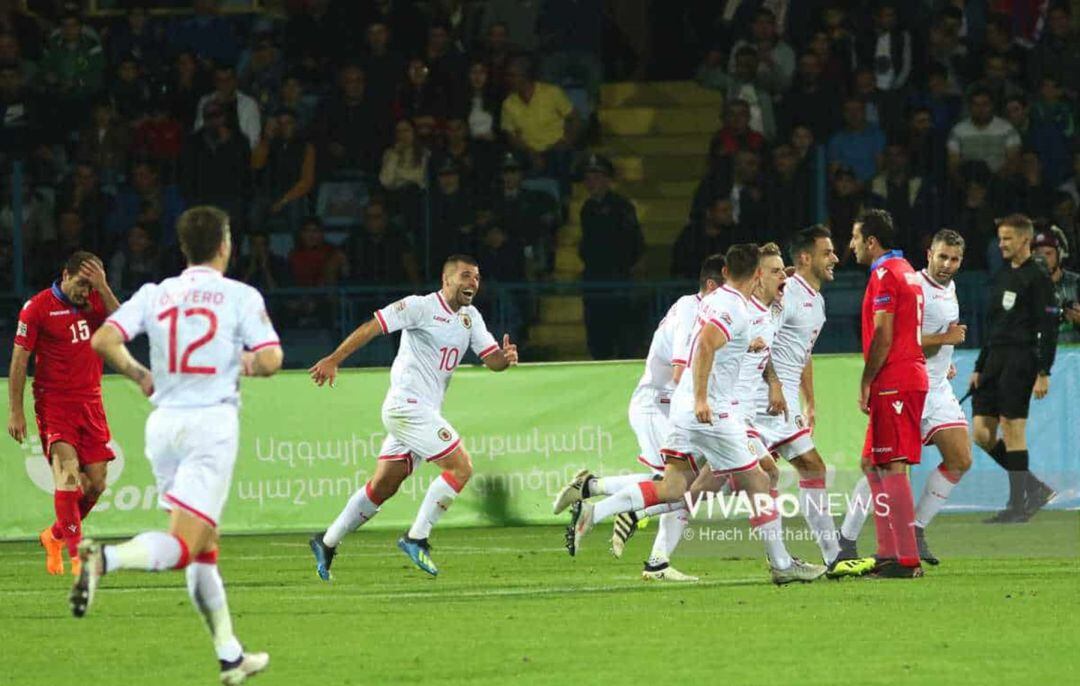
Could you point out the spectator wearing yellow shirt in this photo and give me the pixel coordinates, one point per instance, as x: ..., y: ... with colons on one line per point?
x: 540, y: 123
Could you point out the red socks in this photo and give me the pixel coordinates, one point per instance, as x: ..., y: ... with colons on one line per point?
x: 902, y: 517
x: 886, y: 543
x: 85, y: 505
x: 68, y: 521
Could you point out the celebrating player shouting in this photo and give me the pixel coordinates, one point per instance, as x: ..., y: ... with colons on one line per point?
x: 437, y: 329
x: 943, y: 421
x: 56, y: 325
x: 198, y: 323
x: 893, y: 389
x: 706, y: 429
x: 648, y: 414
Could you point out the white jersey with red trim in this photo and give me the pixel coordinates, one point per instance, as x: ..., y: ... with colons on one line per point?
x: 941, y: 309
x: 726, y: 309
x: 670, y: 346
x: 198, y: 323
x: 434, y: 338
x: 751, y: 385
x: 800, y: 318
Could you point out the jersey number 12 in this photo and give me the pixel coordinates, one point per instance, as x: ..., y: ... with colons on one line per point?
x: 173, y: 315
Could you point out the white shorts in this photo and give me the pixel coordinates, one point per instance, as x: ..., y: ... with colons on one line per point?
x: 788, y: 438
x: 941, y: 411
x: 648, y: 416
x: 721, y: 446
x: 753, y: 439
x: 415, y: 432
x: 192, y: 452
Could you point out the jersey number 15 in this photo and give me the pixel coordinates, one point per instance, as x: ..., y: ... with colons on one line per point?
x: 173, y: 315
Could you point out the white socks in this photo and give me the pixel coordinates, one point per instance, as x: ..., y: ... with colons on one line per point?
x: 814, y: 503
x: 208, y: 594
x: 152, y: 551
x: 938, y: 487
x: 668, y: 535
x: 628, y: 499
x: 610, y: 485
x: 438, y: 499
x: 860, y: 506
x: 360, y: 508
x: 767, y: 527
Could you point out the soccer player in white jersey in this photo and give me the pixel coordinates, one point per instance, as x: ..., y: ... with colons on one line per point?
x: 943, y: 422
x: 198, y: 324
x: 437, y: 330
x: 799, y: 317
x: 648, y: 416
x: 706, y: 430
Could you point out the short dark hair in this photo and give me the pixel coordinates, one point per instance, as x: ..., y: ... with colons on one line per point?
x: 712, y: 268
x: 769, y: 249
x: 878, y: 224
x: 803, y: 241
x: 78, y: 259
x: 741, y: 261
x: 1020, y: 222
x: 979, y: 92
x: 460, y: 257
x: 950, y: 238
x: 202, y: 230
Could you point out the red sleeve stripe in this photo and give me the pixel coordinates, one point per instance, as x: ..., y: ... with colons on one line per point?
x: 720, y: 325
x: 120, y: 328
x: 488, y: 350
x: 268, y: 344
x: 382, y: 322
x: 682, y: 362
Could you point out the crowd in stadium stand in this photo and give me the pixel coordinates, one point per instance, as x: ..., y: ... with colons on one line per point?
x: 358, y: 142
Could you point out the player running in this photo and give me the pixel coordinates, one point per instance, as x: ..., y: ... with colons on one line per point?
x: 943, y: 422
x: 437, y: 329
x: 55, y: 325
x: 892, y: 390
x: 648, y: 416
x: 706, y: 430
x: 198, y: 323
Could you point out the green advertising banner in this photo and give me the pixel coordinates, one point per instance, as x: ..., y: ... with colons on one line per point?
x: 304, y: 450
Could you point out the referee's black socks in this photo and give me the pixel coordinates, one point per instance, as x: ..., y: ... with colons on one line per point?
x: 998, y: 453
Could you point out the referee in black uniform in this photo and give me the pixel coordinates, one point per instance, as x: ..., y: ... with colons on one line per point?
x: 1014, y: 364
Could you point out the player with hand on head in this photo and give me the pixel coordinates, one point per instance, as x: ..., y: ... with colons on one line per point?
x: 943, y: 422
x: 199, y: 324
x: 892, y: 390
x: 437, y: 329
x: 55, y: 326
x: 707, y: 432
x: 648, y: 416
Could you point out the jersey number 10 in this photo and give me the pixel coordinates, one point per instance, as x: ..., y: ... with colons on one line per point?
x: 450, y: 357
x: 173, y: 315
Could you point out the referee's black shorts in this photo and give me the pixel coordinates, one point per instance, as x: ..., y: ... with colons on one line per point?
x: 1005, y: 383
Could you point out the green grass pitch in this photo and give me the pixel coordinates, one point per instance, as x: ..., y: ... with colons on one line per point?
x: 511, y: 607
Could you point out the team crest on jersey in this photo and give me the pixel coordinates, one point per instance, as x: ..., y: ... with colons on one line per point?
x: 800, y: 422
x: 1008, y: 299
x: 466, y: 321
x: 399, y: 306
x: 444, y: 434
x: 726, y: 317
x: 898, y: 406
x: 21, y: 330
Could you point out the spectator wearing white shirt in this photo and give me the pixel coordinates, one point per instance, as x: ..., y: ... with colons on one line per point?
x: 242, y: 108
x: 776, y: 59
x: 983, y: 137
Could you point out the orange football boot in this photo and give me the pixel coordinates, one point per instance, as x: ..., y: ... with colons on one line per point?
x: 54, y: 552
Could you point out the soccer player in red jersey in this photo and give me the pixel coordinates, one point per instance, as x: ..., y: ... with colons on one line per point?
x: 893, y: 389
x: 55, y: 325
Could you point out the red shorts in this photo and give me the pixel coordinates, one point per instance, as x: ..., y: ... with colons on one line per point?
x: 893, y: 432
x: 81, y: 423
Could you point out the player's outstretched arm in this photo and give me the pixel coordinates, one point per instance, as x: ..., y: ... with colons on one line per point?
x: 326, y: 369
x: 507, y: 356
x: 880, y: 345
x: 20, y: 359
x: 711, y: 339
x: 108, y: 342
